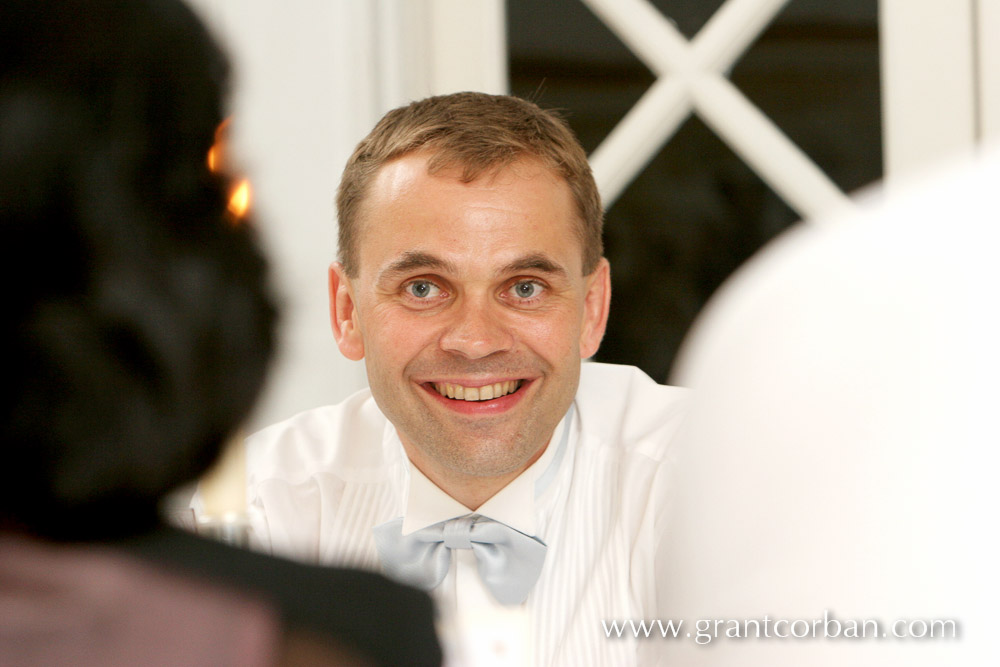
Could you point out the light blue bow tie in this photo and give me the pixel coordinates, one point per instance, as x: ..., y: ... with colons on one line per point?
x: 509, y: 561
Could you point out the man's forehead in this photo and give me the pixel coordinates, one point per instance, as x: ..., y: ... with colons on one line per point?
x: 407, y: 173
x: 433, y: 217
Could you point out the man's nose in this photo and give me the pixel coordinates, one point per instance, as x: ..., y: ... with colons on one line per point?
x: 477, y: 330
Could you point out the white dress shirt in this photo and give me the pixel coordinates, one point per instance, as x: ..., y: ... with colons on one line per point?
x: 319, y: 482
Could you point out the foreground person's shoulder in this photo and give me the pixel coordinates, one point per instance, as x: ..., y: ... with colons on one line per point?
x: 378, y: 619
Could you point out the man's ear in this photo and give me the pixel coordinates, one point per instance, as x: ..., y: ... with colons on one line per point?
x: 595, y: 308
x: 344, y: 315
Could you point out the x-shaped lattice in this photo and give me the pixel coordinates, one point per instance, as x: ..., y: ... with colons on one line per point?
x: 691, y: 79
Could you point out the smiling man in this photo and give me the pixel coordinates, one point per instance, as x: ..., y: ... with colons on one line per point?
x: 486, y: 462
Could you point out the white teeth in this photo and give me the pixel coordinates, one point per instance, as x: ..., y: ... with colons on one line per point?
x: 484, y: 393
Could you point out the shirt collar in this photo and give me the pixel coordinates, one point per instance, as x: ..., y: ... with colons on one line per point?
x: 426, y: 504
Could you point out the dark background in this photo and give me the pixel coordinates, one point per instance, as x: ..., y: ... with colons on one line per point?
x: 697, y: 211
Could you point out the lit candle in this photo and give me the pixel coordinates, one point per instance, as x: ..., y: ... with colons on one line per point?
x: 223, y: 488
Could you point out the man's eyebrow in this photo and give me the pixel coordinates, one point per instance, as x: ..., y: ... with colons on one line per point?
x: 534, y: 262
x: 412, y: 260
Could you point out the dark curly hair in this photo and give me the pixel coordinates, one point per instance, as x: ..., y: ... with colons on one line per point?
x: 138, y: 323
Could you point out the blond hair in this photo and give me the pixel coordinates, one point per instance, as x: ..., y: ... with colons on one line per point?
x: 478, y: 133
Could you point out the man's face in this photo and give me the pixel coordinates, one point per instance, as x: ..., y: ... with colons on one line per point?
x: 472, y: 312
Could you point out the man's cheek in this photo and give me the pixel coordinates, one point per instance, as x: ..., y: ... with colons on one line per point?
x: 556, y: 342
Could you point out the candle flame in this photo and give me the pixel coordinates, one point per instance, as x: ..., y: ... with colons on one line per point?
x: 218, y: 162
x: 213, y: 158
x: 216, y: 154
x: 239, y: 199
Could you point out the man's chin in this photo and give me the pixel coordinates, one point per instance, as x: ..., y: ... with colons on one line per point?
x: 481, y: 452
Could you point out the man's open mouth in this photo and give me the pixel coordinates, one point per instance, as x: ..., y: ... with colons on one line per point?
x: 484, y: 393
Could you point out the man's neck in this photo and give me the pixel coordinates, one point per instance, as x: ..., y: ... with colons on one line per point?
x: 469, y: 490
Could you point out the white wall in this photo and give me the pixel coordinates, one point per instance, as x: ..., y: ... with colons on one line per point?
x: 940, y: 82
x: 312, y: 77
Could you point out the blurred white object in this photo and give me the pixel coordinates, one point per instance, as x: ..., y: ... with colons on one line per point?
x: 842, y: 454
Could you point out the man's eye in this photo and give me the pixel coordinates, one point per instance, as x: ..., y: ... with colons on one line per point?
x: 422, y: 289
x: 526, y: 289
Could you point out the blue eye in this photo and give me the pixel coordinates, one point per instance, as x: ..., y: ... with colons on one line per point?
x: 526, y: 289
x: 422, y: 289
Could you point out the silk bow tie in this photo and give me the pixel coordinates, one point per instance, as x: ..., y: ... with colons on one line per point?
x: 509, y: 561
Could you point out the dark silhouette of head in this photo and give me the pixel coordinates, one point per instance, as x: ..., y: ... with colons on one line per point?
x: 138, y: 324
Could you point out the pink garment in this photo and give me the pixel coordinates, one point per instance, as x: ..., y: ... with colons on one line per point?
x: 86, y: 605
